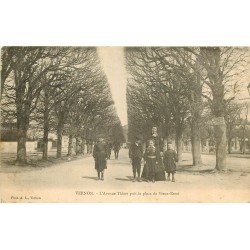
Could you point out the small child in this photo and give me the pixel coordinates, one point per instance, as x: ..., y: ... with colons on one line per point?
x: 151, y: 158
x: 170, y: 158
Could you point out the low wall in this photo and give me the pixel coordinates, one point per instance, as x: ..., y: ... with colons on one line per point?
x: 31, y: 147
x: 11, y: 147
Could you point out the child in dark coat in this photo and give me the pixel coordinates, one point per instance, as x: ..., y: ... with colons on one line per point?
x: 169, y: 159
x: 135, y: 154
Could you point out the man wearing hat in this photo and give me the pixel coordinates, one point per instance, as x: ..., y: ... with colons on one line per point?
x: 135, y: 154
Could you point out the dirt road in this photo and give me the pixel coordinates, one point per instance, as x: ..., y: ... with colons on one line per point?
x: 75, y: 181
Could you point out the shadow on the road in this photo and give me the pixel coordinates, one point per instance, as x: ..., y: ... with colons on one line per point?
x: 129, y: 178
x: 121, y: 179
x: 122, y: 161
x: 89, y: 177
x: 204, y: 171
x: 195, y: 170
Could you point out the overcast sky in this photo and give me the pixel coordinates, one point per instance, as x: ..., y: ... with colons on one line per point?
x: 112, y: 59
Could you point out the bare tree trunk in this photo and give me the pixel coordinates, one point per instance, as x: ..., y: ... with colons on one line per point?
x: 88, y: 147
x: 166, y: 135
x: 196, y: 120
x: 21, y: 142
x: 59, y: 142
x: 22, y: 128
x: 220, y: 144
x: 229, y: 143
x: 220, y: 131
x: 91, y: 148
x: 78, y: 146
x: 2, y: 83
x: 179, y: 145
x: 212, y: 57
x: 244, y: 141
x: 83, y: 146
x: 196, y: 142
x: 70, y: 145
x: 45, y: 133
x: 45, y: 144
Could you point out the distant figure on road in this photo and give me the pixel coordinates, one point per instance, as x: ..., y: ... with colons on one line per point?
x: 117, y: 148
x: 108, y: 149
x: 169, y: 159
x: 135, y: 154
x: 100, y: 155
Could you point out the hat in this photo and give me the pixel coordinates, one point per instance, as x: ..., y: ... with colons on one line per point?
x: 138, y: 138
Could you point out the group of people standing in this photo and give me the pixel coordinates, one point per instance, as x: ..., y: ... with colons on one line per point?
x: 154, y: 159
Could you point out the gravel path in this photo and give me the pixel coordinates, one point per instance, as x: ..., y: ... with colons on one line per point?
x: 75, y: 181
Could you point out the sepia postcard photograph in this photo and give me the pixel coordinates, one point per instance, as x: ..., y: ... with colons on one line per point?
x: 125, y: 124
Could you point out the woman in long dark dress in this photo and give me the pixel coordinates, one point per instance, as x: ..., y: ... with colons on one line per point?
x: 159, y: 171
x: 100, y: 155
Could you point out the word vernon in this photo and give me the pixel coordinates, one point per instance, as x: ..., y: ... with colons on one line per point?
x: 84, y: 193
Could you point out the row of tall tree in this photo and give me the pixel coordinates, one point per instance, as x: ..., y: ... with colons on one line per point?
x: 60, y: 89
x: 175, y: 88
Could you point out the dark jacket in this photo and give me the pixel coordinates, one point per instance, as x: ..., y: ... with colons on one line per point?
x: 152, y: 152
x: 135, y: 151
x: 100, y: 155
x: 116, y: 146
x: 170, y: 158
